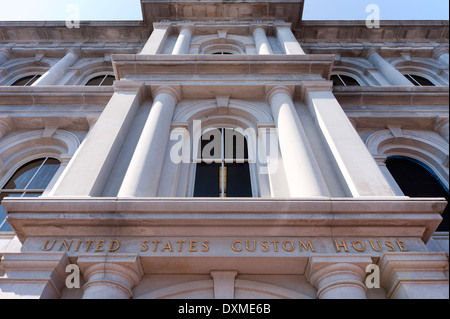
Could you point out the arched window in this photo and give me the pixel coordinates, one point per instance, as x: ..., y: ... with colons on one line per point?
x: 101, y: 80
x: 343, y: 80
x: 418, y: 80
x: 26, y: 80
x: 223, y: 166
x: 417, y: 180
x: 30, y: 180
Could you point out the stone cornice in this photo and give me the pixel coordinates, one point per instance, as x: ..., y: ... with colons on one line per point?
x: 380, y: 216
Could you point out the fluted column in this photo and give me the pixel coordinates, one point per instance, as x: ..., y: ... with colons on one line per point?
x: 56, y: 72
x: 338, y: 277
x: 287, y: 39
x: 184, y: 39
x: 303, y: 173
x: 386, y: 69
x: 5, y: 54
x: 144, y: 171
x: 110, y: 277
x: 157, y: 40
x: 261, y: 43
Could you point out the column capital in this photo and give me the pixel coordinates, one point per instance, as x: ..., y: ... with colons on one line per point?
x: 330, y: 274
x: 368, y: 51
x: 437, y: 52
x: 75, y: 51
x: 6, y: 51
x: 101, y: 273
x: 262, y: 26
x: 272, y: 89
x: 186, y: 25
x: 411, y: 274
x: 174, y: 90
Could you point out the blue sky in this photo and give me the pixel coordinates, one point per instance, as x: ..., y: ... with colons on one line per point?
x: 23, y: 10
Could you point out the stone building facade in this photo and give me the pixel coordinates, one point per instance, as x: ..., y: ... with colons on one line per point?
x: 115, y: 165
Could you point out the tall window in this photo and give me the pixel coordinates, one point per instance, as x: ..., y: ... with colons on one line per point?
x: 343, y: 80
x: 418, y: 80
x: 30, y: 180
x: 26, y: 80
x: 223, y: 167
x: 101, y: 80
x: 417, y: 180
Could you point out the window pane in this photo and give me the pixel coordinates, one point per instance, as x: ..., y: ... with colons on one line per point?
x: 419, y: 80
x: 416, y: 181
x: 95, y: 81
x: 238, y: 180
x: 336, y: 80
x: 27, y: 80
x: 211, y: 145
x: 207, y: 180
x: 45, y: 174
x: 23, y: 175
x: 235, y: 145
x: 349, y: 81
x: 109, y: 80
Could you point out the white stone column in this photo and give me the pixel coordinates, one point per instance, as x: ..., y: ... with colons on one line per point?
x: 414, y: 275
x: 144, y: 171
x: 56, y: 72
x: 355, y: 165
x: 386, y: 69
x: 90, y: 168
x: 33, y: 275
x: 157, y: 40
x: 303, y: 173
x: 5, y: 54
x: 261, y: 43
x: 338, y: 277
x: 184, y: 39
x: 287, y: 39
x: 110, y: 277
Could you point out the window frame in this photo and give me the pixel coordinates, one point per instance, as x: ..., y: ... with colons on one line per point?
x: 25, y: 190
x: 251, y: 165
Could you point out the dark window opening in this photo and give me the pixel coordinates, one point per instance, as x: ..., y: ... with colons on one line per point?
x: 417, y: 180
x: 27, y: 80
x: 222, y: 53
x: 418, y: 80
x: 223, y: 169
x: 30, y: 180
x: 343, y: 80
x: 101, y: 80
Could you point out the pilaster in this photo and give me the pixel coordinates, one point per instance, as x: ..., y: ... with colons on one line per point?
x: 414, y: 275
x: 33, y: 275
